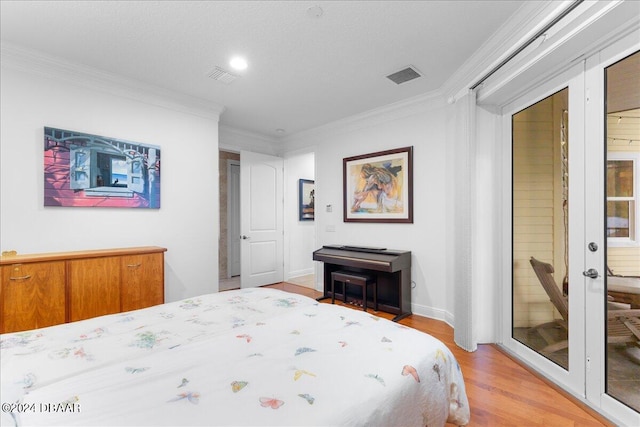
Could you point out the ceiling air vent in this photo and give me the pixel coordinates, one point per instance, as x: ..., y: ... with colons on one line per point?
x: 222, y: 75
x: 404, y: 75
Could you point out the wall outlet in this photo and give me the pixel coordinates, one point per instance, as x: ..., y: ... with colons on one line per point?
x: 330, y: 228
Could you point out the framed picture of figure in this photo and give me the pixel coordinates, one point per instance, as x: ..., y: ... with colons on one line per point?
x: 378, y: 187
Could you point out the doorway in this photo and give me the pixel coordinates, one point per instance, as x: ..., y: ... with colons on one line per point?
x: 228, y: 276
x: 540, y: 145
x: 300, y: 236
x: 233, y: 219
x: 622, y: 135
x: 572, y: 202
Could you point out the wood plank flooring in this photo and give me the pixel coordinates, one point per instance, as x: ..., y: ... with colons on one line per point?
x: 501, y: 392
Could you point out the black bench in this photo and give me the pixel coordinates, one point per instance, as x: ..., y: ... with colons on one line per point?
x: 353, y: 278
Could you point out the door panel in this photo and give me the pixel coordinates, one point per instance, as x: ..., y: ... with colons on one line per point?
x: 613, y: 366
x: 546, y: 305
x: 261, y: 219
x: 602, y: 220
x: 94, y: 287
x: 264, y: 257
x: 142, y: 281
x: 622, y: 183
x: 33, y: 296
x: 540, y: 227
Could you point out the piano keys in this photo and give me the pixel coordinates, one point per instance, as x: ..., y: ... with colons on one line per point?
x: 390, y: 268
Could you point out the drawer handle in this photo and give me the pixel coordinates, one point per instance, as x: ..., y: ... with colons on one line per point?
x: 134, y: 265
x: 28, y: 276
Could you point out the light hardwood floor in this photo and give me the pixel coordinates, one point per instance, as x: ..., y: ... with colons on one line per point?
x: 501, y: 392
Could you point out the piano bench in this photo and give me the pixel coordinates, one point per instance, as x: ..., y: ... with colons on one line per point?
x: 357, y: 279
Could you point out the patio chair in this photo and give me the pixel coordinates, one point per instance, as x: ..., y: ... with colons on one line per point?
x: 544, y: 272
x: 623, y: 324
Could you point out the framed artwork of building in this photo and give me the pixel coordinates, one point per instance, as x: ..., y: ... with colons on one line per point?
x: 96, y: 171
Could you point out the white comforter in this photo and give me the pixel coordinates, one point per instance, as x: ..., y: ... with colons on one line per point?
x: 248, y: 357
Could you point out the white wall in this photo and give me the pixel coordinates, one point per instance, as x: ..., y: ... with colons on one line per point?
x: 186, y: 223
x: 299, y: 239
x: 420, y: 124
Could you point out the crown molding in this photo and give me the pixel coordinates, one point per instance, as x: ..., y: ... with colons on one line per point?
x: 235, y: 139
x: 39, y: 63
x: 529, y: 19
x: 405, y: 108
x: 587, y: 30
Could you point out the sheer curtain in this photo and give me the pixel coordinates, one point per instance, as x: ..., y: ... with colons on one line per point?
x: 465, y: 125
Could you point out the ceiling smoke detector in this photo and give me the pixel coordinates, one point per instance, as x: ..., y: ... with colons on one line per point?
x: 222, y: 75
x: 404, y: 75
x: 315, y: 11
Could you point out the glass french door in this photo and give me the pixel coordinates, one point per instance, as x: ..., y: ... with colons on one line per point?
x: 612, y: 118
x: 547, y: 167
x: 540, y: 177
x: 574, y: 246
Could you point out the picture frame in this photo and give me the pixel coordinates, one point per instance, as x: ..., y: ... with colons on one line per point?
x: 378, y: 187
x: 306, y: 200
x: 86, y: 170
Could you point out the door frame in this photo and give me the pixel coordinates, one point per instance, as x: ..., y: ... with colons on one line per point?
x: 261, y: 234
x: 586, y: 379
x: 595, y: 142
x: 572, y: 379
x: 231, y: 218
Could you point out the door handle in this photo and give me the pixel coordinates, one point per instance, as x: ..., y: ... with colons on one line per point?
x: 243, y: 237
x: 592, y: 273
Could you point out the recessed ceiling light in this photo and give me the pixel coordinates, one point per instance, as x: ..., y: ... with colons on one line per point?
x: 280, y: 130
x: 238, y: 63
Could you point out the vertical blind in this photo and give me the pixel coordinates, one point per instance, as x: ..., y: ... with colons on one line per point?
x: 465, y: 108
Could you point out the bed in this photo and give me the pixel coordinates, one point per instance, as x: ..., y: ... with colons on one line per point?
x: 246, y: 357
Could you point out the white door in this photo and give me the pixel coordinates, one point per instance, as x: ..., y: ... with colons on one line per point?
x: 546, y: 196
x: 612, y: 140
x: 573, y: 241
x: 261, y: 219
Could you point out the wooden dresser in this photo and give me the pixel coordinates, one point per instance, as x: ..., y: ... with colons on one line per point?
x: 40, y: 290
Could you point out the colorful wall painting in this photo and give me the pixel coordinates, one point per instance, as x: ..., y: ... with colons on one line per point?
x: 378, y: 187
x: 87, y: 170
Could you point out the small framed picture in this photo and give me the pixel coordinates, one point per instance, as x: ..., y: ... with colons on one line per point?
x: 306, y: 199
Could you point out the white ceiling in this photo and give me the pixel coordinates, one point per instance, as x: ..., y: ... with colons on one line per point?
x: 304, y: 71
